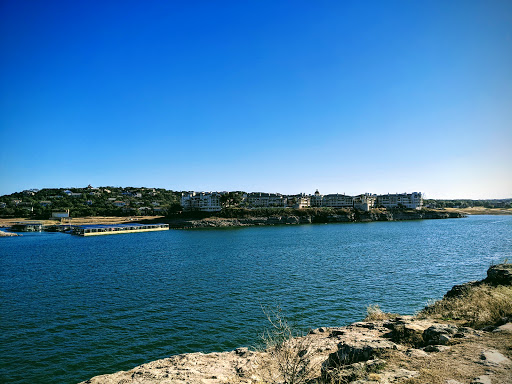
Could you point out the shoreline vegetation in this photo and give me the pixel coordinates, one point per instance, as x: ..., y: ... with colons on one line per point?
x: 466, y: 337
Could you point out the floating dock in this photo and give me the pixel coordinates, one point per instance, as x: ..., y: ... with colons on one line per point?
x: 116, y: 229
x: 27, y: 226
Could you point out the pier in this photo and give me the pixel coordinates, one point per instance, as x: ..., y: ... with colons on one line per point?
x: 116, y: 229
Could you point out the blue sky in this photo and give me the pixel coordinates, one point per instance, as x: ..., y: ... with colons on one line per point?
x: 275, y: 96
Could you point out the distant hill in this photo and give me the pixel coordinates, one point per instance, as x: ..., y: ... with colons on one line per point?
x: 89, y: 201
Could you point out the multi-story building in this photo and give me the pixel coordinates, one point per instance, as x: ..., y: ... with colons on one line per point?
x: 210, y: 201
x: 201, y: 201
x: 408, y: 200
x: 266, y: 200
x: 364, y: 202
x: 337, y: 200
x: 298, y: 201
x: 316, y: 199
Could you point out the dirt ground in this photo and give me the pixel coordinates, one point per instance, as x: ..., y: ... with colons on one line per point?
x: 461, y: 362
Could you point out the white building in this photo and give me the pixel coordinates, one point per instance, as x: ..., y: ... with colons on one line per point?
x: 298, y: 201
x: 337, y: 200
x: 266, y: 200
x: 364, y: 202
x: 316, y: 199
x: 201, y: 201
x: 408, y: 200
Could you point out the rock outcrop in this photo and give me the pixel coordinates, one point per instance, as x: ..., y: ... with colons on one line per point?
x: 7, y: 234
x: 500, y: 274
x: 349, y: 216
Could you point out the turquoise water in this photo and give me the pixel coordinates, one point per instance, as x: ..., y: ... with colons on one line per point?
x: 74, y: 307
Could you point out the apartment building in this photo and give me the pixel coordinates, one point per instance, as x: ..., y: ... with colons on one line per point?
x: 210, y: 201
x: 266, y: 200
x: 298, y: 201
x: 201, y: 201
x: 364, y: 202
x: 337, y: 200
x: 408, y: 200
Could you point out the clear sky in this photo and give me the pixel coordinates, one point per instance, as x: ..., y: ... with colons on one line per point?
x: 273, y: 96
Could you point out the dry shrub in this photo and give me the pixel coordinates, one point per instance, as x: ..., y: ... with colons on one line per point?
x: 290, y: 352
x: 374, y: 313
x: 478, y: 307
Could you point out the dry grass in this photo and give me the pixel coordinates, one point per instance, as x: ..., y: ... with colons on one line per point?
x: 290, y: 353
x: 461, y: 362
x: 374, y: 313
x: 482, y: 211
x: 478, y: 307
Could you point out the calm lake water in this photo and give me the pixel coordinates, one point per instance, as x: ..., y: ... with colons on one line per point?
x: 74, y: 307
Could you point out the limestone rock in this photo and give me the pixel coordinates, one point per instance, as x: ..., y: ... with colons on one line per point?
x: 494, y: 358
x: 353, y: 351
x: 417, y: 353
x: 484, y: 379
x: 439, y: 334
x: 409, y: 333
x: 500, y: 274
x: 505, y: 328
x: 458, y: 290
x: 7, y: 234
x: 436, y: 348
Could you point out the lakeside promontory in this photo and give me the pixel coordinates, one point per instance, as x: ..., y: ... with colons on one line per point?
x: 308, y: 216
x: 464, y: 338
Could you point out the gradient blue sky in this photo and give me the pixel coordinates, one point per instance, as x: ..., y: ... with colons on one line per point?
x: 275, y: 96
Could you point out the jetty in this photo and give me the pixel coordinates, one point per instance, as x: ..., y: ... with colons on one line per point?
x: 116, y: 229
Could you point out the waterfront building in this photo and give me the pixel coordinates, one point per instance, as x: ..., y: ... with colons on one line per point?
x: 408, y: 200
x: 298, y: 201
x: 364, y: 202
x: 266, y: 200
x: 201, y: 201
x: 210, y: 201
x: 337, y: 200
x: 316, y: 199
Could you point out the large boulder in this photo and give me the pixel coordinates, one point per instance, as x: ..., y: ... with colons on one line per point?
x: 439, y: 334
x: 354, y: 351
x: 500, y: 274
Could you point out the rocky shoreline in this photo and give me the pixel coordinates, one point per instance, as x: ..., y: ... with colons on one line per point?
x: 7, y: 234
x: 382, y: 349
x: 348, y: 216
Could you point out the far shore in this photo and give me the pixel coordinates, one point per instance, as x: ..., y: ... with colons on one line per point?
x: 8, y: 222
x: 482, y: 211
